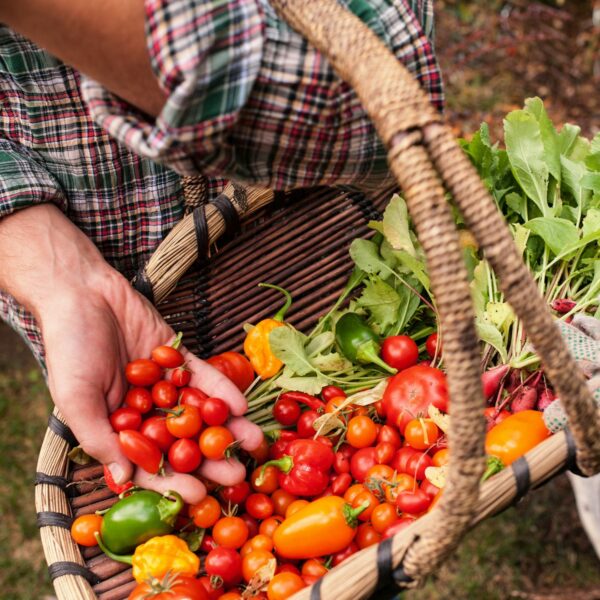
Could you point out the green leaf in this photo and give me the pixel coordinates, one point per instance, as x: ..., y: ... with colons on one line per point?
x: 500, y: 314
x: 526, y: 154
x: 365, y: 255
x: 490, y: 334
x: 520, y: 235
x: 592, y: 161
x: 535, y: 106
x: 331, y: 362
x: 591, y: 222
x: 556, y: 233
x: 518, y: 203
x: 479, y: 287
x: 381, y: 300
x: 396, y: 227
x: 595, y: 145
x: 573, y: 173
x: 416, y: 267
x: 567, y: 138
x: 591, y: 181
x: 308, y: 385
x: 320, y: 343
x: 287, y: 344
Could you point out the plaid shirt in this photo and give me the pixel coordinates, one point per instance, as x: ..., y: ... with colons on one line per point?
x: 247, y: 97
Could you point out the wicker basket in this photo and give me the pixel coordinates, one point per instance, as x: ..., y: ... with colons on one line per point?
x: 303, y: 247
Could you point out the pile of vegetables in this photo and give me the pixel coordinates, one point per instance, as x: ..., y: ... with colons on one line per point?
x: 355, y: 412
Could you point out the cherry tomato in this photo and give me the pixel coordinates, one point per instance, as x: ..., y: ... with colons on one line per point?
x: 257, y: 542
x: 339, y: 557
x: 314, y: 567
x: 230, y: 532
x: 361, y: 432
x: 353, y: 491
x: 340, y: 484
x: 421, y: 434
x: 286, y: 412
x: 183, y: 587
x: 140, y: 399
x: 143, y: 372
x: 368, y: 499
x: 261, y: 453
x: 251, y: 523
x: 185, y: 456
x: 287, y: 568
x: 155, y: 429
x: 84, y: 529
x: 234, y: 366
x: 125, y: 418
x: 341, y: 463
x: 235, y: 494
x: 269, y: 481
x: 214, y: 442
x: 400, y: 460
x: 361, y: 462
x: 428, y: 487
x: 208, y: 543
x: 209, y: 585
x: 268, y: 526
x: 260, y: 506
x: 400, y: 482
x: 417, y: 464
x: 167, y: 357
x: 400, y: 352
x: 231, y: 595
x: 366, y: 536
x: 215, y: 411
x: 333, y: 405
x: 284, y: 585
x: 332, y: 391
x: 398, y: 526
x: 253, y: 561
x: 206, y: 513
x: 164, y: 394
x: 431, y: 344
x: 441, y: 458
x: 192, y: 396
x: 413, y: 503
x: 281, y: 500
x: 410, y: 392
x: 383, y: 516
x: 304, y: 426
x: 384, y: 452
x: 181, y: 376
x: 225, y: 563
x: 140, y: 450
x: 294, y: 507
x: 390, y: 435
x: 184, y: 422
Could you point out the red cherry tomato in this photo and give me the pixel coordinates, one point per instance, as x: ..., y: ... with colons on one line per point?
x: 400, y: 352
x: 410, y: 392
x: 140, y: 450
x: 428, y: 487
x: 384, y: 452
x: 235, y: 494
x: 183, y: 587
x: 413, y: 503
x: 192, y: 396
x: 234, y: 366
x: 215, y: 411
x: 225, y: 563
x: 286, y: 412
x: 398, y: 526
x: 167, y: 357
x: 230, y: 532
x: 125, y: 418
x: 181, y: 376
x: 331, y: 391
x: 155, y: 429
x: 304, y: 426
x: 140, y: 399
x: 214, y: 587
x: 339, y: 557
x: 389, y: 434
x: 417, y: 464
x: 260, y: 506
x: 164, y: 394
x: 431, y: 344
x: 400, y: 460
x: 252, y: 525
x: 185, y: 422
x: 143, y: 372
x: 361, y: 462
x: 341, y: 463
x: 185, y: 456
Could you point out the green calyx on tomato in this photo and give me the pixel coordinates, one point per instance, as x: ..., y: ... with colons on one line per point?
x: 351, y: 514
x: 358, y: 342
x: 138, y: 517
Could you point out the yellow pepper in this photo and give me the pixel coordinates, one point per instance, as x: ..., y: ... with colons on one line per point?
x: 161, y: 555
x: 256, y: 344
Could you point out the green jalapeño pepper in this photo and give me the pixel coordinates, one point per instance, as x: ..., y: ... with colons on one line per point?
x: 358, y: 342
x: 137, y: 518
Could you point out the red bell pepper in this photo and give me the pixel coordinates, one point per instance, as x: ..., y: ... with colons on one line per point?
x: 304, y: 468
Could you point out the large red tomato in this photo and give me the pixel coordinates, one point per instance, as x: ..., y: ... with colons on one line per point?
x: 410, y: 392
x: 176, y: 587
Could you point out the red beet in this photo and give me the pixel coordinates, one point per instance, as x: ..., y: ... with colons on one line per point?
x: 491, y: 380
x: 525, y: 399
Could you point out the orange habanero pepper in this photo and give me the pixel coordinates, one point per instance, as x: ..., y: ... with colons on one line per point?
x: 516, y: 435
x: 256, y: 344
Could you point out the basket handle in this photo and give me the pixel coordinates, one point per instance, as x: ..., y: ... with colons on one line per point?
x: 204, y: 223
x: 411, y: 129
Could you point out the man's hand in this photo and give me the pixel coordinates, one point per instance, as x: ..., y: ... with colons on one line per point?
x: 93, y: 323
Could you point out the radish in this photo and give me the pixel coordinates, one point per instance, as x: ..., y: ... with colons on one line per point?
x: 546, y: 398
x: 513, y: 381
x: 524, y: 400
x: 563, y: 305
x: 491, y: 380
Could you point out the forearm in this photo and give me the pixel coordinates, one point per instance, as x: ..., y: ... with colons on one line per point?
x: 45, y: 259
x: 104, y: 40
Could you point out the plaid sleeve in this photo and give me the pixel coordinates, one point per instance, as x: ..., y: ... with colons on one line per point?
x: 25, y: 182
x: 206, y: 56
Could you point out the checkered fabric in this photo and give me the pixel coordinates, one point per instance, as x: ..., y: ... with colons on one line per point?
x: 247, y: 97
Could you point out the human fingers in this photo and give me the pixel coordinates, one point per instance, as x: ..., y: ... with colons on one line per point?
x: 223, y: 472
x: 192, y: 490
x: 247, y: 433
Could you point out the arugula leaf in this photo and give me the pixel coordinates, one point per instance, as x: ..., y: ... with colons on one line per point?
x: 396, y: 228
x: 525, y: 151
x: 556, y: 233
x: 287, y: 344
x: 365, y: 255
x: 416, y: 267
x: 381, y: 300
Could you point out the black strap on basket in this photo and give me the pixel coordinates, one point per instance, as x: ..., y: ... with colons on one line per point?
x: 571, y: 464
x: 49, y: 518
x: 65, y: 567
x: 522, y: 475
x: 142, y: 284
x: 61, y: 430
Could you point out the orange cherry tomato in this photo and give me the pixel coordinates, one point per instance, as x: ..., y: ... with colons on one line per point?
x: 185, y: 422
x: 421, y: 433
x: 206, y: 513
x: 367, y: 498
x: 314, y: 567
x: 214, y: 442
x: 441, y: 457
x: 269, y: 482
x: 362, y: 432
x: 284, y: 585
x: 400, y: 482
x: 253, y: 561
x: 294, y: 507
x: 333, y: 405
x: 353, y: 491
x: 383, y: 516
x: 258, y: 542
x: 230, y: 532
x: 268, y: 526
x: 84, y: 529
x: 516, y: 435
x: 366, y: 536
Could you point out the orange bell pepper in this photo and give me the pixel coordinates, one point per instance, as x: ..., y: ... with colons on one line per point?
x: 256, y: 344
x: 516, y: 435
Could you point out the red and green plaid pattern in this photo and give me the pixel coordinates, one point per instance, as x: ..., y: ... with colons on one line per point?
x: 247, y: 97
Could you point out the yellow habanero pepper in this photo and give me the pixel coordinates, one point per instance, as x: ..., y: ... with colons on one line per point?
x: 161, y: 555
x: 256, y: 344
